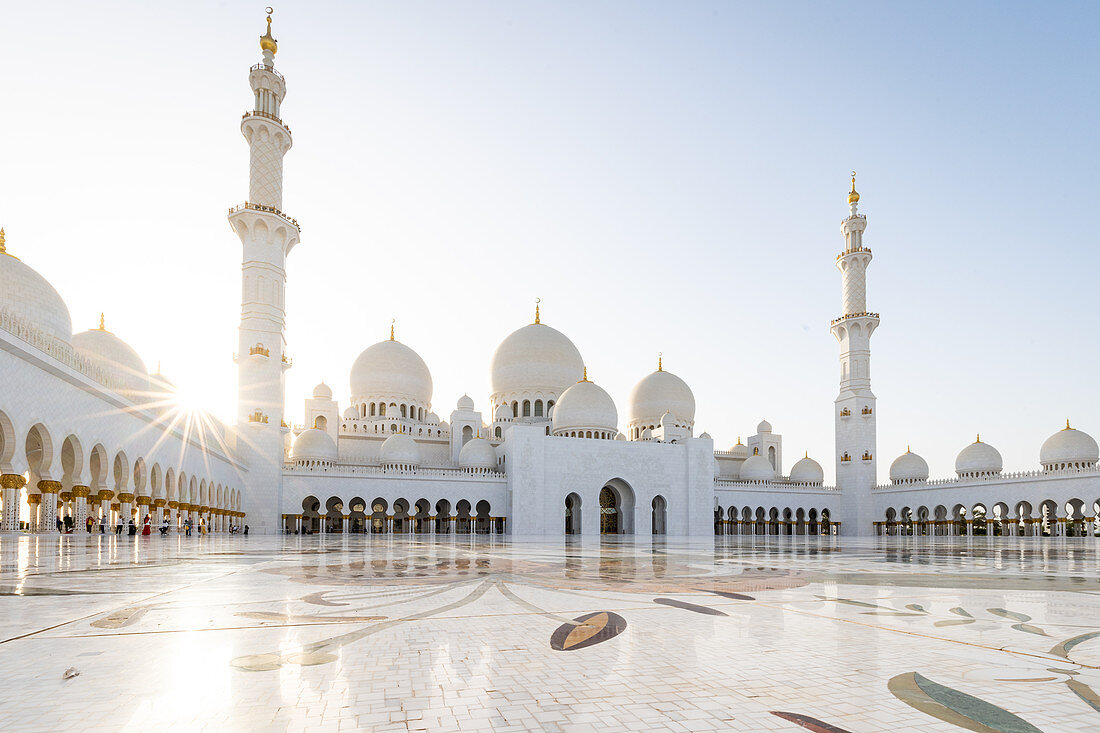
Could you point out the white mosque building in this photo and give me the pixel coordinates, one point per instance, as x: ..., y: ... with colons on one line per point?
x: 87, y: 431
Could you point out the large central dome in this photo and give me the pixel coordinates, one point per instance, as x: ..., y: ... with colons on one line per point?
x: 29, y: 297
x: 536, y: 358
x: 390, y: 369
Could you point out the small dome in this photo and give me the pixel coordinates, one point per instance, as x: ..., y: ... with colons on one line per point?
x: 620, y: 436
x: 1069, y: 448
x: 313, y: 445
x: 660, y: 392
x: 465, y: 402
x: 351, y: 414
x: 705, y: 436
x: 978, y: 459
x: 322, y: 392
x: 504, y: 412
x: 114, y: 356
x: 757, y: 468
x: 390, y: 369
x: 908, y: 468
x: 647, y: 434
x: 160, y: 385
x: 585, y: 406
x: 399, y: 450
x: 30, y: 298
x: 431, y: 418
x: 535, y: 358
x: 478, y: 453
x: 807, y: 471
x: 739, y: 450
x: 764, y: 427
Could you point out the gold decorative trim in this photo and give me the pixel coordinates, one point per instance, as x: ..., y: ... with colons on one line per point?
x: 48, y: 487
x: 11, y: 481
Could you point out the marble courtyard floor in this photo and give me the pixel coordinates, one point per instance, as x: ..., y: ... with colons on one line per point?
x: 483, y: 633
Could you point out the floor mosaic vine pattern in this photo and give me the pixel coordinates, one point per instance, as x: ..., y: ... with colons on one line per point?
x: 818, y: 634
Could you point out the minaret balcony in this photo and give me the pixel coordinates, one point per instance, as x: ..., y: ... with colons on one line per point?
x: 249, y: 206
x: 865, y: 314
x: 287, y: 362
x: 268, y: 69
x: 845, y: 253
x: 266, y: 116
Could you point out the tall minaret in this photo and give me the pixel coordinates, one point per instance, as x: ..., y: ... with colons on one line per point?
x: 267, y: 235
x: 855, y: 410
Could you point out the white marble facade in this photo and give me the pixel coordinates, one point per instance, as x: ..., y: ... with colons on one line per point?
x: 86, y: 430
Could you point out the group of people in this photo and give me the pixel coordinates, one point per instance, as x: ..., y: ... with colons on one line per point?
x: 65, y: 526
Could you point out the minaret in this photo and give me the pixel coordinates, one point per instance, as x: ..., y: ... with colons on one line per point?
x: 267, y: 236
x: 855, y: 410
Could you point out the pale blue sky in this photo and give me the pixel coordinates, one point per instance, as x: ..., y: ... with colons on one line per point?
x: 665, y: 176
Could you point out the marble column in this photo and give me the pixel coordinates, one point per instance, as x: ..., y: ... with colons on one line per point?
x: 35, y: 502
x: 104, y: 497
x: 48, y: 515
x: 144, y: 503
x: 159, y: 504
x: 10, y: 484
x: 124, y: 502
x: 80, y: 507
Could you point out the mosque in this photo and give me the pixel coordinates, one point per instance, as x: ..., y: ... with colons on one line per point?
x: 87, y: 431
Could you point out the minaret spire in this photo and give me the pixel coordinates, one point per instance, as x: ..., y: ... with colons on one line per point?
x: 267, y: 235
x: 537, y: 301
x: 855, y: 412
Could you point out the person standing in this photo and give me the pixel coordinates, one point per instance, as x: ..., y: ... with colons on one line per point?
x: 187, y: 527
x: 59, y: 530
x: 89, y: 523
x: 246, y: 530
x: 147, y: 527
x: 118, y: 525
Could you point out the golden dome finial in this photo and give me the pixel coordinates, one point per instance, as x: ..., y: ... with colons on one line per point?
x: 585, y: 377
x: 738, y: 440
x: 1067, y: 424
x: 853, y: 197
x: 392, y: 321
x: 537, y: 301
x: 3, y: 247
x: 979, y: 438
x: 101, y: 328
x: 267, y: 43
x: 660, y: 361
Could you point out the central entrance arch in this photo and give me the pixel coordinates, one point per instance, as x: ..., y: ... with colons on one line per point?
x: 616, y: 508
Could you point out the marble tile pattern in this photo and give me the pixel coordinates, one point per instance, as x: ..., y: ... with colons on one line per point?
x: 469, y: 633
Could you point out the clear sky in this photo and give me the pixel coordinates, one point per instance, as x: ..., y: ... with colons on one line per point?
x: 665, y: 176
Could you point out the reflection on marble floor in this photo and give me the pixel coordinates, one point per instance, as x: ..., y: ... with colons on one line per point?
x: 475, y: 633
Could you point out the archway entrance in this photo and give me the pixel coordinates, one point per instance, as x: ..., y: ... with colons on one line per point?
x: 572, y: 514
x: 609, y: 511
x: 616, y: 508
x: 659, y: 515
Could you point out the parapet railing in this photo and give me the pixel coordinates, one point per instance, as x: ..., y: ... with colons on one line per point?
x: 55, y: 347
x: 270, y: 70
x: 347, y: 469
x: 992, y: 478
x: 265, y: 115
x: 269, y: 209
x: 774, y: 485
x: 846, y: 316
